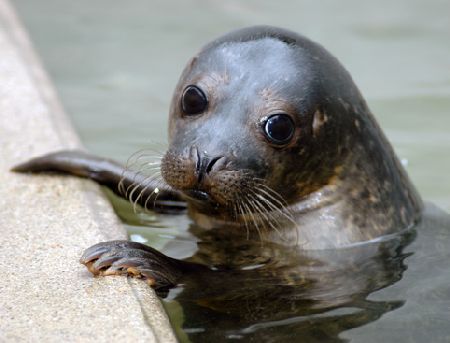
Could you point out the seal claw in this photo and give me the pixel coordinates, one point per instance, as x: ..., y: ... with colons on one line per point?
x: 133, y: 259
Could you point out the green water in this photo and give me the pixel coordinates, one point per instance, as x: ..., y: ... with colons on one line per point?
x: 115, y: 64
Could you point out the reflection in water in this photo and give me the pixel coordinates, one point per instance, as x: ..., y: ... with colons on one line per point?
x: 273, y: 293
x: 395, y: 290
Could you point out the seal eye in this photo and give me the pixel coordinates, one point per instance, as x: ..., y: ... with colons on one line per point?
x: 279, y: 128
x: 193, y: 100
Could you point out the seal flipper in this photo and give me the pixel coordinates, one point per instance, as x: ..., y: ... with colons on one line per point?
x: 107, y: 173
x: 138, y: 260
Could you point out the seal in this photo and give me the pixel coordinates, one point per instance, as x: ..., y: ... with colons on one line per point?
x: 268, y: 136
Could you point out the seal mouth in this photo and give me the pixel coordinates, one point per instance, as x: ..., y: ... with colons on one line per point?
x: 198, y: 195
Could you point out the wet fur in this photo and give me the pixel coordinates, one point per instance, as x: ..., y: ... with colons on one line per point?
x: 339, y: 158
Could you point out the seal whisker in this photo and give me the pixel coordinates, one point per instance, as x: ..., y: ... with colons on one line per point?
x: 250, y: 213
x: 268, y: 213
x: 121, y: 185
x: 152, y: 168
x: 272, y: 202
x: 147, y: 166
x: 158, y: 182
x: 149, y: 169
x: 130, y: 166
x: 156, y: 196
x: 151, y: 148
x: 270, y: 218
x: 239, y: 204
x: 149, y: 197
x: 261, y: 217
x: 130, y: 198
x: 273, y: 194
x: 150, y: 164
x: 139, y: 155
x: 282, y: 210
x: 256, y: 215
x: 147, y: 182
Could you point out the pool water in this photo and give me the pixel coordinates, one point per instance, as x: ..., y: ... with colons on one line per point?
x: 115, y: 65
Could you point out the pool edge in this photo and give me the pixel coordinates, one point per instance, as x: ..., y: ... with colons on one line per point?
x: 63, y: 301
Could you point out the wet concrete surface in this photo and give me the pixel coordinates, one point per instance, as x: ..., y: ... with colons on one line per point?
x: 47, y: 221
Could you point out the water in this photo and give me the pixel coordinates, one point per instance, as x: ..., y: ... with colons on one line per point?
x: 115, y: 65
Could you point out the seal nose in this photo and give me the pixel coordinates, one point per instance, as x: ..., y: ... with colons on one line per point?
x: 205, y: 164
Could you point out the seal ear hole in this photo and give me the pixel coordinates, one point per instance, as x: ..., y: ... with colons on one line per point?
x: 319, y: 120
x: 279, y: 128
x: 193, y: 100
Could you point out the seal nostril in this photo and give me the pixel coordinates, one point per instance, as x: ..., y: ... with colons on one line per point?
x: 211, y: 163
x: 199, y: 161
x: 204, y: 164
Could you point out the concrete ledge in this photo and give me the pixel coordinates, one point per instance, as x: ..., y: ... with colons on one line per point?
x: 47, y: 221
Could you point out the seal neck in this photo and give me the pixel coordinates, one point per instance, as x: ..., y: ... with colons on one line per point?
x: 369, y: 196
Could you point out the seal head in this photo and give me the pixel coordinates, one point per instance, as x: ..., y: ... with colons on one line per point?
x: 265, y: 121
